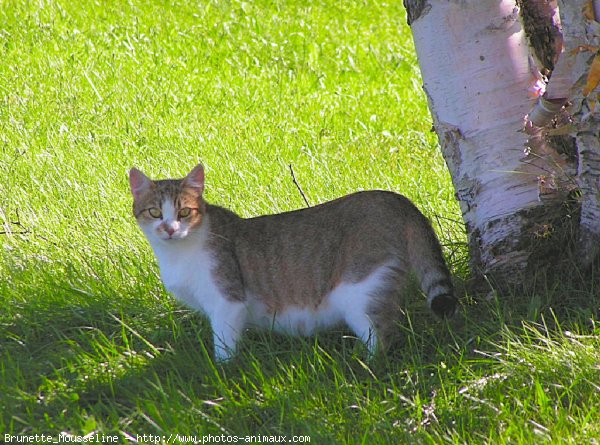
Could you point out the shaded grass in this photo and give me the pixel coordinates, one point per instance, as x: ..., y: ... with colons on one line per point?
x: 89, y: 341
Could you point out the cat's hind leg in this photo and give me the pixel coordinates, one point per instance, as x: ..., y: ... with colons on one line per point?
x: 360, y: 303
x: 361, y: 325
x: 353, y: 301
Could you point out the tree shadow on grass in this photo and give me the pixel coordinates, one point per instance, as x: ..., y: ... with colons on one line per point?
x: 566, y: 294
x: 131, y: 368
x: 140, y: 368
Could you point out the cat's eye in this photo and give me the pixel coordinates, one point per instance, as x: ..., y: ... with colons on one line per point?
x: 185, y: 212
x: 155, y: 212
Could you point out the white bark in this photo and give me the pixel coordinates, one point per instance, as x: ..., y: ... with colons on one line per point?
x: 476, y: 70
x: 581, y: 32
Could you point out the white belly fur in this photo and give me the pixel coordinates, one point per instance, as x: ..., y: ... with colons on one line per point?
x: 347, y: 303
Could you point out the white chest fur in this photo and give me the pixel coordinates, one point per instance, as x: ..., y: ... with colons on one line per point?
x: 189, y: 278
x: 186, y: 270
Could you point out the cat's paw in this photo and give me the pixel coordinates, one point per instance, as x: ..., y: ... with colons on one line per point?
x: 223, y: 354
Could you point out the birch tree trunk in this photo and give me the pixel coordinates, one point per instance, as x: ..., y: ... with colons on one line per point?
x: 526, y: 170
x: 512, y: 184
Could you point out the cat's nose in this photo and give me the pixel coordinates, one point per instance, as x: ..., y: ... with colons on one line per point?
x: 170, y: 230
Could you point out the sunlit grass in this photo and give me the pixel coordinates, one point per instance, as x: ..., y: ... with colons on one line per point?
x: 89, y: 340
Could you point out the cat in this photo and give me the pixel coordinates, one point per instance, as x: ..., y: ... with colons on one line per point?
x: 344, y: 261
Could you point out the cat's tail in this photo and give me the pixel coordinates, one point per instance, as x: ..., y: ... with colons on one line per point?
x: 430, y: 268
x: 437, y: 285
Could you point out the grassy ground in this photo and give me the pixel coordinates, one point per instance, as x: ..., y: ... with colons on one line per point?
x: 90, y: 342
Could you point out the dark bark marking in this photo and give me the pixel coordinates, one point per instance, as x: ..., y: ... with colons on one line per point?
x: 415, y: 9
x: 543, y: 34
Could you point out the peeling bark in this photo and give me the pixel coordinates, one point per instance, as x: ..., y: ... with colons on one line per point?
x: 542, y: 28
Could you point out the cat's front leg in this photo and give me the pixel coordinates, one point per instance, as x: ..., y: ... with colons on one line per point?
x: 227, y: 324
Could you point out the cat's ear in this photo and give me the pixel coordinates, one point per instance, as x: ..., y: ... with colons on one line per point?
x: 138, y: 182
x: 195, y: 179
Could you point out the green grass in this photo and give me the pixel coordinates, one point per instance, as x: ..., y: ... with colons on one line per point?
x: 89, y: 340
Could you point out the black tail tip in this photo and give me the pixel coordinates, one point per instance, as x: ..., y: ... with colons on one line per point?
x: 444, y: 306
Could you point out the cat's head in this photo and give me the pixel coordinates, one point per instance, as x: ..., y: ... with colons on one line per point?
x: 170, y: 209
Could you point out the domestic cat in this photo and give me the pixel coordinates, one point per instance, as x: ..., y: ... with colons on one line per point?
x: 344, y: 261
